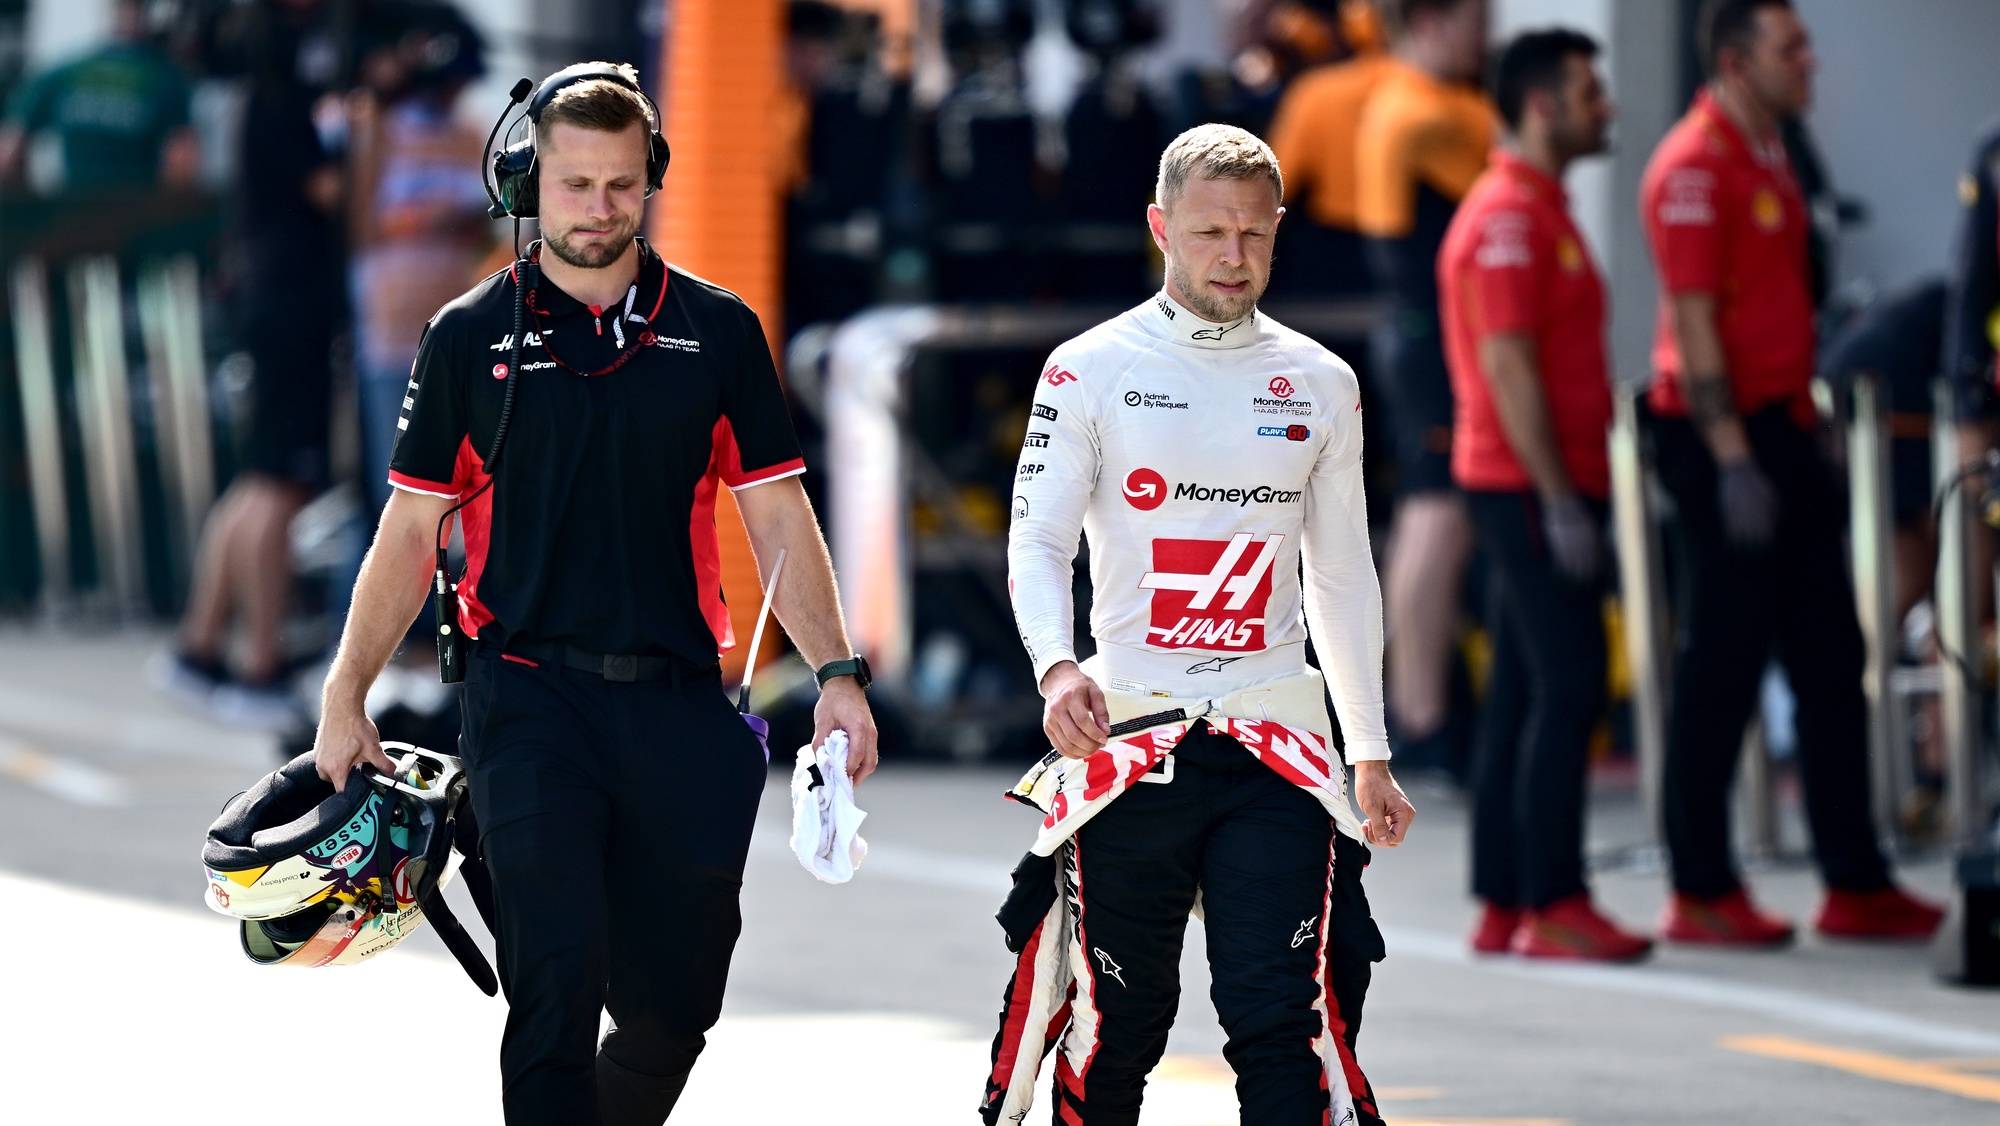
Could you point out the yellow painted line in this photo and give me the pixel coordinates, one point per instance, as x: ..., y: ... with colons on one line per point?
x: 1408, y: 1094
x: 24, y: 764
x: 65, y: 778
x: 1870, y: 1065
x: 1968, y: 1063
x: 1193, y: 1069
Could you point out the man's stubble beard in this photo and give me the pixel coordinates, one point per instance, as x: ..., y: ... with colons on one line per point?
x: 1207, y: 306
x: 1573, y: 144
x: 591, y: 257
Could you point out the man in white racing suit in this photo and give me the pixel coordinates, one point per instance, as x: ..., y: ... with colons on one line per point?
x: 1204, y: 448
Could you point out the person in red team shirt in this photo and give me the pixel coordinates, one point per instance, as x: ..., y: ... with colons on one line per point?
x: 1758, y: 514
x: 1523, y: 309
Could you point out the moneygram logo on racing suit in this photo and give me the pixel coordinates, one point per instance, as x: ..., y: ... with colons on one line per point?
x: 1146, y: 490
x: 1256, y: 494
x: 1210, y: 594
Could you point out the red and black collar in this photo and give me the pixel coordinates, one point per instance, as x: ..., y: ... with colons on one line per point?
x: 548, y: 301
x: 631, y: 329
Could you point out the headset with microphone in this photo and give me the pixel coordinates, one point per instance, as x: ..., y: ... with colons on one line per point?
x: 513, y: 189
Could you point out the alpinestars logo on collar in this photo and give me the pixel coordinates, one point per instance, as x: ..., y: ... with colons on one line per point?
x: 1219, y: 333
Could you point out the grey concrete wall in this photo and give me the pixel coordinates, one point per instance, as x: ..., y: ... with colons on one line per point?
x: 1904, y: 88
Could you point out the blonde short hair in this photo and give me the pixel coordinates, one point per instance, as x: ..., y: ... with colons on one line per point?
x: 1215, y: 152
x: 598, y: 103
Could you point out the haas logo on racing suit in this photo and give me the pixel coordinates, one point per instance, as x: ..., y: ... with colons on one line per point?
x: 1210, y: 594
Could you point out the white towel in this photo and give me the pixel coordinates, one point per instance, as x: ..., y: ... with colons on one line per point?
x: 826, y: 826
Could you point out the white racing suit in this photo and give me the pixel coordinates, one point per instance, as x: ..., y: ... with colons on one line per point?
x: 1204, y: 461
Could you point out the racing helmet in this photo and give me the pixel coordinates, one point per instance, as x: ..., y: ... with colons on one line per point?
x: 319, y: 878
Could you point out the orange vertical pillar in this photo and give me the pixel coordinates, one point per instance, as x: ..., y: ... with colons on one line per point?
x: 719, y: 214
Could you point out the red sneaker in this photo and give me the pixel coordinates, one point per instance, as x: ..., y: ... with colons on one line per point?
x: 1727, y: 920
x: 1572, y: 928
x: 1889, y: 913
x: 1496, y: 928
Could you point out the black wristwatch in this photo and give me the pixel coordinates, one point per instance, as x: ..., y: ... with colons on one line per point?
x: 855, y: 666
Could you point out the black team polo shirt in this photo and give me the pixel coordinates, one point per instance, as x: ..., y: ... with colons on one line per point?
x: 600, y: 530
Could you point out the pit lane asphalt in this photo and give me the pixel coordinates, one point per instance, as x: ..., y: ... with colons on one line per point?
x: 875, y: 1001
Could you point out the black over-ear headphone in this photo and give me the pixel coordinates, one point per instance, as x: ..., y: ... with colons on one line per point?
x: 514, y: 190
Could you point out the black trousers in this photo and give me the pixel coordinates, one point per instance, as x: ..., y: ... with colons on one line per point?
x: 615, y: 819
x: 1408, y: 347
x: 1734, y: 609
x: 1290, y: 940
x: 1542, y: 703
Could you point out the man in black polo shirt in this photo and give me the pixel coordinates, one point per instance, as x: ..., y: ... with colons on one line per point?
x: 614, y: 785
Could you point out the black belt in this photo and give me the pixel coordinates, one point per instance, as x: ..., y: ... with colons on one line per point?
x: 622, y: 668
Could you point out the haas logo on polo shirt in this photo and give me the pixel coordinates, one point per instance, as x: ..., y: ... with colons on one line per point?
x: 530, y: 340
x: 1210, y: 594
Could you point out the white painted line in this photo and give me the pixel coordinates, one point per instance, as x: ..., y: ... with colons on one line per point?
x: 64, y: 778
x: 964, y: 873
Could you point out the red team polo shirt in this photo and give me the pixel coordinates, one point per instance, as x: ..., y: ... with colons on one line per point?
x: 1724, y: 216
x: 1513, y: 262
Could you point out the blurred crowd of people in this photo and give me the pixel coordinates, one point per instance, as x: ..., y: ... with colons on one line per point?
x: 353, y: 209
x: 1002, y: 158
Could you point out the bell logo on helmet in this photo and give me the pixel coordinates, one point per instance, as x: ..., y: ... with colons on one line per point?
x: 346, y: 857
